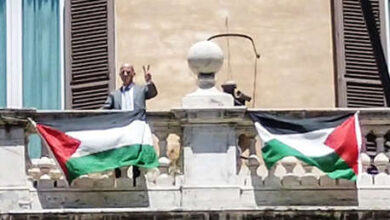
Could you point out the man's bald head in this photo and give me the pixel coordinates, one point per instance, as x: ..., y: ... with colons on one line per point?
x: 127, y: 73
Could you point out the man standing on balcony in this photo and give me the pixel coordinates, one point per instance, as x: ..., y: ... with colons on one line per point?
x: 131, y: 97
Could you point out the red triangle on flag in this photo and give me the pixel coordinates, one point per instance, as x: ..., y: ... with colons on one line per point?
x: 344, y: 141
x: 61, y: 144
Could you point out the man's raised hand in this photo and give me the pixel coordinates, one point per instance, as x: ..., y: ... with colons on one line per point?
x: 147, y: 74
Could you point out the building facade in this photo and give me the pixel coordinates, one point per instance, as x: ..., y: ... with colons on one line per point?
x: 63, y: 54
x: 313, y: 53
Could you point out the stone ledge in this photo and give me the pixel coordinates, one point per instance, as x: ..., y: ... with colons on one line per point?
x: 269, y: 212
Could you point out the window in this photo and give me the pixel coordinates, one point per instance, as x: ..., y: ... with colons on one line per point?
x: 33, y: 53
x: 357, y: 76
x: 41, y: 54
x: 32, y: 58
x: 41, y: 60
x: 33, y: 74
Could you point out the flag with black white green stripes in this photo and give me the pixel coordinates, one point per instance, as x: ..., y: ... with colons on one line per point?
x: 331, y: 143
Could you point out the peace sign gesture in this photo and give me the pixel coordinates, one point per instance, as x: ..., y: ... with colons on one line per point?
x: 147, y: 74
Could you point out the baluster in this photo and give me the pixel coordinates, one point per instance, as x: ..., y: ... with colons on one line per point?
x: 380, y: 140
x: 125, y: 181
x: 298, y: 169
x: 243, y: 172
x: 241, y: 145
x: 387, y: 142
x: 164, y: 178
x: 253, y: 162
x: 83, y: 181
x: 290, y: 178
x: 152, y: 175
x: 62, y: 183
x: 272, y: 180
x: 45, y: 165
x: 34, y: 172
x: 55, y: 174
x: 309, y: 178
x: 371, y: 145
x: 262, y: 171
x: 104, y: 180
x: 381, y: 161
x: 325, y: 180
x: 364, y: 178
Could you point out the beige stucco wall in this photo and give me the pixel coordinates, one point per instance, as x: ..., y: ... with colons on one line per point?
x: 293, y: 37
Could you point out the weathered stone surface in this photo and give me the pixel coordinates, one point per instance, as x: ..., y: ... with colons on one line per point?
x: 91, y: 199
x: 306, y: 197
x: 207, y: 98
x: 208, y: 155
x: 12, y: 157
x: 14, y: 199
x: 11, y: 136
x: 321, y: 213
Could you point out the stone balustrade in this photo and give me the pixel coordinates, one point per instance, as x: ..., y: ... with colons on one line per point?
x: 289, y: 182
x: 292, y: 173
x: 381, y: 178
x: 289, y: 173
x: 44, y: 173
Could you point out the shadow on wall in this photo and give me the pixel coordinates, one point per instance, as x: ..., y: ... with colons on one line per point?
x: 292, y: 189
x: 97, y: 193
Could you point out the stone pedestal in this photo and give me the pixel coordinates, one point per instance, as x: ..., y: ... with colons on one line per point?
x: 207, y: 98
x: 209, y: 153
x: 209, y: 138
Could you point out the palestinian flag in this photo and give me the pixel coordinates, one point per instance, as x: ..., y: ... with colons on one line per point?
x: 331, y: 143
x: 99, y: 143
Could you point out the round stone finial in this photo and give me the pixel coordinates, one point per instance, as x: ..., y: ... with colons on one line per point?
x: 205, y: 57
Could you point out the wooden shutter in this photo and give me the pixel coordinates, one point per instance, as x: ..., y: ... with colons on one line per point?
x: 357, y: 74
x: 89, y: 52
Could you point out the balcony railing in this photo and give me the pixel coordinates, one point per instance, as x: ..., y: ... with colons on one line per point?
x: 290, y: 182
